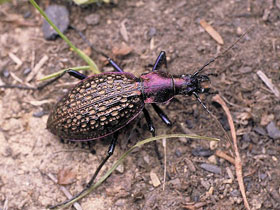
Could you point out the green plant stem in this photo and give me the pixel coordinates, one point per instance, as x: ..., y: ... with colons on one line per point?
x: 90, y: 62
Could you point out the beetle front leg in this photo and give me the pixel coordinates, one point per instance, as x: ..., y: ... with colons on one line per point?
x: 161, y: 59
x: 149, y: 122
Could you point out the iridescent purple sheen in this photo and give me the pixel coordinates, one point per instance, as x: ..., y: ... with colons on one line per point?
x: 160, y: 87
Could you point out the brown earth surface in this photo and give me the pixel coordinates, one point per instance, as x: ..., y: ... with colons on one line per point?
x: 29, y: 152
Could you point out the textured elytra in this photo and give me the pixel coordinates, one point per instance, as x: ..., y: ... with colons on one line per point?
x: 96, y: 107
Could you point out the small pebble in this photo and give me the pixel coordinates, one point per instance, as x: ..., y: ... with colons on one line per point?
x: 26, y: 71
x: 246, y: 137
x: 38, y: 114
x: 213, y: 145
x: 189, y: 124
x: 246, y: 69
x: 262, y: 176
x: 178, y: 153
x: 224, y: 121
x: 260, y: 130
x: 202, y: 152
x: 212, y: 159
x: 239, y: 31
x: 120, y: 168
x: 6, y: 73
x: 152, y: 32
x: 92, y: 19
x: 27, y: 14
x: 273, y: 131
x: 235, y: 193
x: 59, y: 15
x: 211, y: 168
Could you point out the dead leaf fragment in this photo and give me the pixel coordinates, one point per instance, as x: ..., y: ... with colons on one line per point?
x: 154, y: 178
x: 122, y: 50
x: 123, y: 31
x: 65, y: 176
x: 212, y: 32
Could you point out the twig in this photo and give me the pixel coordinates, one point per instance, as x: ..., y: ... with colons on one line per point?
x: 238, y: 162
x: 223, y: 155
x: 37, y: 68
x: 15, y: 59
x: 269, y: 84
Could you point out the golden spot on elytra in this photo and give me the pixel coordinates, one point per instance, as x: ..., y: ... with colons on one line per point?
x: 102, y: 92
x: 114, y: 113
x: 88, y: 97
x: 93, y: 84
x: 123, y: 99
x: 103, y: 118
x: 92, y: 111
x: 102, y: 108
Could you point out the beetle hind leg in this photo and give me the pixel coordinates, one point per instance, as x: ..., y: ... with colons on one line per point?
x: 109, y: 154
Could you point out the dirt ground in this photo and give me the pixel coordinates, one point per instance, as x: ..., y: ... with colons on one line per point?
x: 29, y: 152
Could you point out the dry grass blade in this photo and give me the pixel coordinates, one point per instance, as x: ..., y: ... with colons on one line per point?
x: 238, y: 162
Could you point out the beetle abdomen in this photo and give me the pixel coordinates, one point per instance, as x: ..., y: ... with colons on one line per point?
x: 96, y: 107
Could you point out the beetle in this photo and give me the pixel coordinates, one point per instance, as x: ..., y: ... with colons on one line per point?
x: 102, y: 104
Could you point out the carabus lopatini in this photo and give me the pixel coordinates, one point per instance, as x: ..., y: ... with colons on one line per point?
x: 100, y: 105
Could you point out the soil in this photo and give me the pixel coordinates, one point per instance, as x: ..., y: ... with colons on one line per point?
x: 199, y: 179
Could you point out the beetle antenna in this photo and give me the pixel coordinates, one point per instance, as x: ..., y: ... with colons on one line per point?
x: 89, y: 43
x: 222, y: 53
x: 214, y: 117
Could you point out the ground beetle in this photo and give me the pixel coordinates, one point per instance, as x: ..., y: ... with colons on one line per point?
x: 100, y: 105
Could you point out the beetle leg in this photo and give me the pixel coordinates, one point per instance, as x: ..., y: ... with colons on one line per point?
x: 71, y: 72
x: 153, y: 131
x: 161, y: 59
x: 76, y: 74
x: 149, y: 122
x: 162, y: 115
x: 115, y: 66
x: 109, y: 154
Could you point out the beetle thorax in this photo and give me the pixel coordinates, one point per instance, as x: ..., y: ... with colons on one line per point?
x: 157, y: 87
